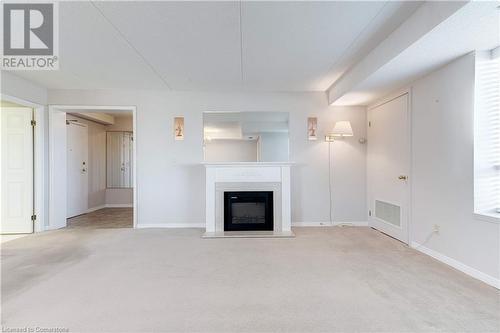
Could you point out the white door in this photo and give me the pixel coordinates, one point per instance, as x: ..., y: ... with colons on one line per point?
x: 77, y: 166
x: 16, y: 170
x: 119, y: 157
x: 127, y: 159
x: 114, y: 149
x: 388, y: 167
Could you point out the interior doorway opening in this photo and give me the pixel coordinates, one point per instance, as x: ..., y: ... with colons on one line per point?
x: 94, y: 147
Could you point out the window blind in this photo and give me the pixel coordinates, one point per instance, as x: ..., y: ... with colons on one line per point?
x: 487, y: 135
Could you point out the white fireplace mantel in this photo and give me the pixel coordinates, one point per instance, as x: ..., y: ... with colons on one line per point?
x: 248, y: 176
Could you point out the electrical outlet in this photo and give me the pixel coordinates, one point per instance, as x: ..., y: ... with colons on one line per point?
x: 435, y: 228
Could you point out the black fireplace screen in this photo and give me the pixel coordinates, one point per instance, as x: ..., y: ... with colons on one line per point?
x: 248, y: 211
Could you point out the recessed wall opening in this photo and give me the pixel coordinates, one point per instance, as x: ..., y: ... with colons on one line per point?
x: 95, y: 148
x: 248, y: 211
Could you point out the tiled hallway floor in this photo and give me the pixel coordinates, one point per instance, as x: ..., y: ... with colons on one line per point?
x: 104, y: 218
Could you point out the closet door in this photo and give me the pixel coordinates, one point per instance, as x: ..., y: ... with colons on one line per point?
x: 388, y: 165
x: 16, y: 142
x: 119, y: 156
x: 127, y: 159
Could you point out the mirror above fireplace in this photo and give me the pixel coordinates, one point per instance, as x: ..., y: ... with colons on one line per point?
x: 246, y: 136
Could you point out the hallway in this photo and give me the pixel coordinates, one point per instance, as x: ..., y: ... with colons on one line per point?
x: 106, y: 218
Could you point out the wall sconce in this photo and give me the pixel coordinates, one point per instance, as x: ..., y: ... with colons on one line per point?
x: 341, y: 130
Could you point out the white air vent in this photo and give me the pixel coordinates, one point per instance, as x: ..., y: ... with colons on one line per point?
x: 388, y: 212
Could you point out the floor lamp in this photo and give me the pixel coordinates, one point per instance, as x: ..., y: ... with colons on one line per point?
x: 340, y: 130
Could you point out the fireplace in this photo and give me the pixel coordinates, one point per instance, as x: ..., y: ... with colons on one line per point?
x: 252, y: 211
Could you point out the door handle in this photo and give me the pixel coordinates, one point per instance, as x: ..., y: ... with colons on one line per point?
x: 403, y: 177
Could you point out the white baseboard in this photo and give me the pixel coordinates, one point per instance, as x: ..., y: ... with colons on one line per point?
x: 352, y: 224
x: 93, y: 209
x: 458, y: 265
x: 311, y: 224
x: 328, y: 224
x: 119, y: 205
x: 170, y: 225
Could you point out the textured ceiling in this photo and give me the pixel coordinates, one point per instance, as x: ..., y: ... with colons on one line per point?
x: 215, y: 46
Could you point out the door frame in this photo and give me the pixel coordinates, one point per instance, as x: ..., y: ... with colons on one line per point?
x: 380, y: 102
x: 57, y: 188
x: 38, y: 159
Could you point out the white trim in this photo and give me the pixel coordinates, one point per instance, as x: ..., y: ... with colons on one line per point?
x: 118, y: 205
x: 388, y: 98
x: 243, y: 164
x: 490, y: 280
x: 90, y: 108
x: 351, y: 224
x: 328, y: 224
x: 51, y: 225
x: 495, y: 53
x: 39, y: 162
x: 492, y: 218
x: 93, y: 209
x: 311, y: 224
x: 170, y: 225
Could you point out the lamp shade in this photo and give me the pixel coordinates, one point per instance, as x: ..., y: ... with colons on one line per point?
x: 341, y: 129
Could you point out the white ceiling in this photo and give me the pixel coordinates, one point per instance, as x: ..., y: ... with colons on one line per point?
x: 475, y: 27
x: 216, y: 46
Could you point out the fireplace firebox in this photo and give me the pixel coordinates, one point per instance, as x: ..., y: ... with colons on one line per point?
x: 252, y: 211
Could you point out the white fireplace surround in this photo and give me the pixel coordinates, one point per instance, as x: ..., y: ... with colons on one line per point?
x: 247, y: 176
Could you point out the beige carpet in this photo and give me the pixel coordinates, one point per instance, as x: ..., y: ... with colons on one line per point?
x: 170, y: 280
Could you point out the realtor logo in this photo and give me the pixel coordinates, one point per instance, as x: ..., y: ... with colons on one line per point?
x: 29, y: 36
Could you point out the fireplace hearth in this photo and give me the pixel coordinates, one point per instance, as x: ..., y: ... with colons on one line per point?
x: 248, y: 211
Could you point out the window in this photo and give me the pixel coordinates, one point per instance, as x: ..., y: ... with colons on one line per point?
x: 487, y: 135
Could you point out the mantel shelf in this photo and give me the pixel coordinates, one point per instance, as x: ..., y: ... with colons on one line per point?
x: 242, y: 164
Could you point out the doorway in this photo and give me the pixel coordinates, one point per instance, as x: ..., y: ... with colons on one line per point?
x: 388, y: 165
x: 80, y: 149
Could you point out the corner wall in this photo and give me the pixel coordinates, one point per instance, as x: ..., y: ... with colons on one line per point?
x: 443, y: 175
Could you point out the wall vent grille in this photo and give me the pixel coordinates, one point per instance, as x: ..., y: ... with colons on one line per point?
x: 388, y: 212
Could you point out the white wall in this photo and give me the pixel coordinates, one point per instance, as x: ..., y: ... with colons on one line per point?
x: 442, y: 169
x: 231, y: 151
x: 171, y: 178
x: 122, y: 123
x: 18, y: 87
